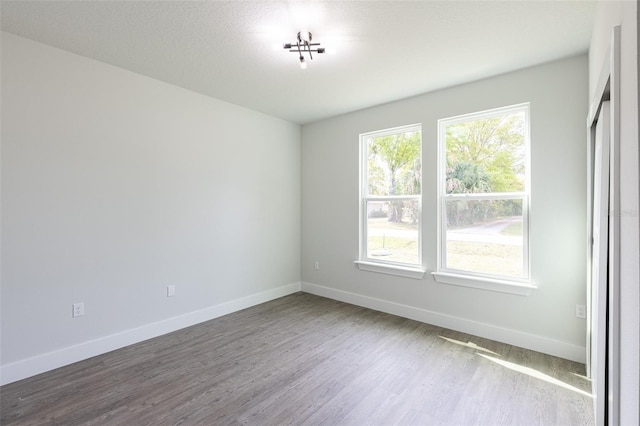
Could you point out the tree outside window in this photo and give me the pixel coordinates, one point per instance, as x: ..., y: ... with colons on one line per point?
x: 484, y: 194
x: 391, y: 196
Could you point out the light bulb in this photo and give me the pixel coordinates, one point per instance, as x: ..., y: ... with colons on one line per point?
x: 305, y: 36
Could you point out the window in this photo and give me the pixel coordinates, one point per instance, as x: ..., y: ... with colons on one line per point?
x: 391, y: 181
x: 484, y: 195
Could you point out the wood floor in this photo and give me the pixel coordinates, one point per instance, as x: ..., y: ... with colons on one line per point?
x: 304, y: 359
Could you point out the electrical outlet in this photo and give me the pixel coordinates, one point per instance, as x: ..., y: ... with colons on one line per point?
x: 78, y: 309
x: 581, y: 311
x: 171, y: 290
x: 316, y: 265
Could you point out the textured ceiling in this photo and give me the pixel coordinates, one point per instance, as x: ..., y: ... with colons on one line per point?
x: 384, y: 50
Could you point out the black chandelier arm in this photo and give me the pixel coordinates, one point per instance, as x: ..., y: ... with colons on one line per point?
x: 290, y: 45
x: 319, y: 50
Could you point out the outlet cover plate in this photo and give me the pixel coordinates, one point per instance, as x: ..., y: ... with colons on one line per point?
x: 171, y: 290
x: 78, y: 309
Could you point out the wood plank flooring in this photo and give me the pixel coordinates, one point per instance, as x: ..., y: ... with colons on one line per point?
x: 307, y: 360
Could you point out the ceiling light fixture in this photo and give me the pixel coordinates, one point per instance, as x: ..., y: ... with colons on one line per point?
x: 303, y: 45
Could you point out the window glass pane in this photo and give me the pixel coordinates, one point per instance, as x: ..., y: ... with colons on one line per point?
x: 393, y: 164
x: 485, y: 236
x: 486, y: 155
x: 392, y: 231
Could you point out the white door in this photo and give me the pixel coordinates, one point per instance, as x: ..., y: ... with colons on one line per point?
x: 599, y: 271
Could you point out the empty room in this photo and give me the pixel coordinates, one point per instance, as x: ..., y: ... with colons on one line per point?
x: 319, y: 212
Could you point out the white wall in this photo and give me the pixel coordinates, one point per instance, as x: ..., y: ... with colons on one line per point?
x: 545, y: 320
x: 625, y: 14
x: 114, y: 186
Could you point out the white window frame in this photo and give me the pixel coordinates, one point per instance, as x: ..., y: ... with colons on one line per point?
x: 366, y: 263
x: 494, y: 282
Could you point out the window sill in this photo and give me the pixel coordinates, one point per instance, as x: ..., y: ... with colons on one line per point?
x: 400, y: 271
x: 502, y: 286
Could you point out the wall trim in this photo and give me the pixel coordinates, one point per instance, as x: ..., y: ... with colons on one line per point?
x: 488, y: 331
x: 51, y: 360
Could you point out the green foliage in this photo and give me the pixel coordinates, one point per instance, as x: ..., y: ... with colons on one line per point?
x: 465, y: 178
x: 394, y: 164
x: 468, y: 212
x: 503, y: 176
x: 378, y: 213
x: 394, y: 168
x: 494, y: 146
x: 485, y: 156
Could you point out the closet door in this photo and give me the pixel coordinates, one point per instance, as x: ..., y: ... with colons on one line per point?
x: 599, y: 265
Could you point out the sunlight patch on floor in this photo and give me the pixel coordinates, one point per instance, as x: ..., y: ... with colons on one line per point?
x: 469, y: 345
x: 535, y: 373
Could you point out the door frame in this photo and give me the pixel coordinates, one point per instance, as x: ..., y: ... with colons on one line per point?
x: 607, y: 89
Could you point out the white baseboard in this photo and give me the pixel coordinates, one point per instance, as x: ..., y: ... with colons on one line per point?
x: 504, y: 335
x: 41, y: 363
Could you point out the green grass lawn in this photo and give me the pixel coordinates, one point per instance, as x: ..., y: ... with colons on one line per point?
x: 383, y: 223
x: 395, y: 249
x: 513, y: 229
x: 488, y: 258
x: 485, y: 257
